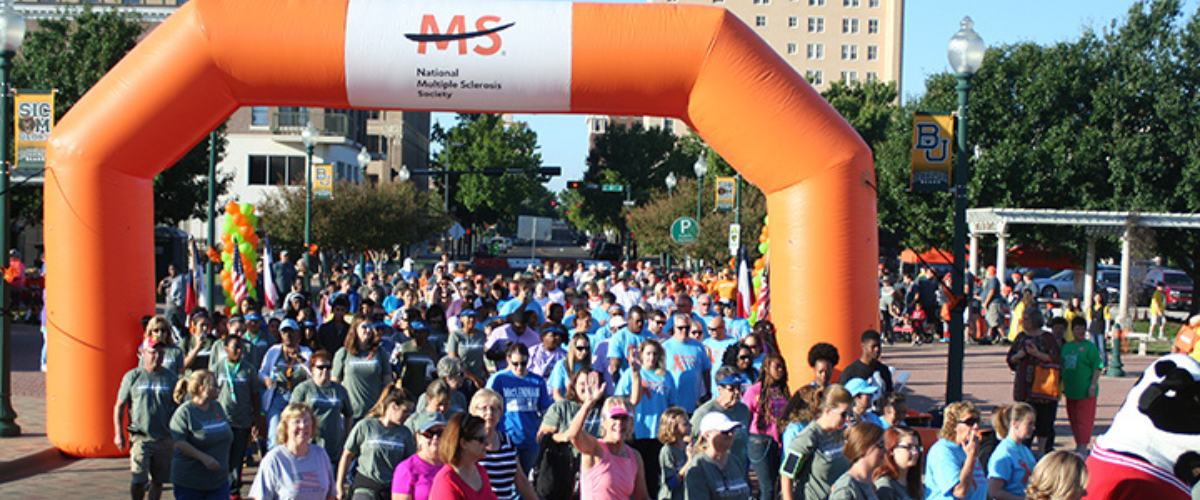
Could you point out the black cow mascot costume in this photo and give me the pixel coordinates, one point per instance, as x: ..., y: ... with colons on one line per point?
x: 1151, y: 450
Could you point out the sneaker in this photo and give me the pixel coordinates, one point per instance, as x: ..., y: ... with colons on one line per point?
x: 943, y: 340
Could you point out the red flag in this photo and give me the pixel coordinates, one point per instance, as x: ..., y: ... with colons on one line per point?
x: 745, y: 287
x: 189, y: 300
x: 271, y: 295
x: 762, y: 307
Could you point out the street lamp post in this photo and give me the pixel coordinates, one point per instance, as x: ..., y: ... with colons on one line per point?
x: 12, y: 23
x: 309, y: 137
x: 364, y: 161
x: 405, y: 175
x: 701, y: 168
x: 965, y: 53
x: 671, y: 181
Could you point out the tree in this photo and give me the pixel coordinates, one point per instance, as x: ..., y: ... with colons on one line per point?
x: 70, y: 54
x: 399, y: 215
x: 487, y: 143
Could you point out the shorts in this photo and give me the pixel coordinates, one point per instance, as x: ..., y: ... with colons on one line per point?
x: 151, y: 459
x: 994, y: 314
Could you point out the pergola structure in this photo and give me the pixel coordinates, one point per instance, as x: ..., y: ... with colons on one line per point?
x: 997, y: 220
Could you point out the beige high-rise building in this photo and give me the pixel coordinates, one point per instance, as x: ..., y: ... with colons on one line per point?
x: 824, y: 40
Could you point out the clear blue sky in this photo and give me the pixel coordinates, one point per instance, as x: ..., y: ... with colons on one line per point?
x: 928, y: 25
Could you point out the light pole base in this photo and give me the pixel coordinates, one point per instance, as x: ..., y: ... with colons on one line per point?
x: 1116, y: 368
x: 8, y: 420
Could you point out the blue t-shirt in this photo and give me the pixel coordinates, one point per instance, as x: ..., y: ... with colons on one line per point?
x: 512, y: 305
x: 391, y: 303
x: 793, y: 429
x: 687, y: 362
x: 737, y: 328
x: 871, y: 417
x: 658, y: 394
x: 942, y: 466
x: 1013, y: 463
x: 559, y: 378
x: 600, y: 315
x: 618, y: 345
x: 525, y: 399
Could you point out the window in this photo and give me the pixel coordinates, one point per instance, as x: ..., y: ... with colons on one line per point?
x: 816, y: 51
x: 814, y: 77
x: 874, y: 4
x: 849, y: 3
x: 849, y: 52
x: 760, y: 20
x: 816, y: 25
x: 668, y: 125
x: 793, y: 22
x: 849, y: 25
x: 718, y: 1
x: 850, y: 76
x: 816, y: 3
x: 276, y: 170
x: 872, y: 76
x: 792, y: 48
x: 260, y: 116
x: 872, y: 52
x: 762, y: 2
x: 872, y: 26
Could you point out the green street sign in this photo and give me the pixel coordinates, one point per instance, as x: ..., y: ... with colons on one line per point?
x: 685, y: 230
x: 612, y: 188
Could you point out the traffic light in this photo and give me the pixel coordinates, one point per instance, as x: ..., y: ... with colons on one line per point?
x: 553, y: 204
x: 574, y: 185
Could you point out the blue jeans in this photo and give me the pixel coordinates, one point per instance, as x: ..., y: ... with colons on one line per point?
x: 237, y: 457
x: 527, y: 457
x: 279, y: 401
x: 220, y: 493
x: 763, y: 452
x: 1102, y: 345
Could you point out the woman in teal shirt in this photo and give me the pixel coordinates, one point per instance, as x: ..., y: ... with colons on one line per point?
x: 202, y: 438
x: 952, y: 469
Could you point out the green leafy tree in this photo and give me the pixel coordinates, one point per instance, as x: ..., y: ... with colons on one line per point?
x: 487, y: 143
x: 70, y: 54
x: 399, y: 215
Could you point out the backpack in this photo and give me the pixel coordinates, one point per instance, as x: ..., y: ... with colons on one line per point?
x: 556, y: 467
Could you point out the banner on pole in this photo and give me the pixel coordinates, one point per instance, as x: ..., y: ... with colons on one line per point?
x: 34, y: 118
x: 323, y: 182
x: 932, y: 158
x: 726, y: 191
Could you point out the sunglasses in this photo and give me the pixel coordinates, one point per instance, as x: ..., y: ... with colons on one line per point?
x: 431, y: 435
x: 684, y: 328
x: 582, y: 347
x: 751, y: 346
x: 519, y: 363
x: 746, y: 358
x: 322, y: 367
x: 729, y: 432
x: 970, y: 422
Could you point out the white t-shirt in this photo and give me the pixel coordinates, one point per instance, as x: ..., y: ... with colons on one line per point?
x: 282, y: 475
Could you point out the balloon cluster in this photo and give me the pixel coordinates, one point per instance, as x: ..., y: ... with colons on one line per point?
x: 764, y: 245
x: 238, y: 230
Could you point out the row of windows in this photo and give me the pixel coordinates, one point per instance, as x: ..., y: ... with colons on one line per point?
x: 278, y: 170
x: 849, y: 52
x: 817, y: 77
x: 816, y: 24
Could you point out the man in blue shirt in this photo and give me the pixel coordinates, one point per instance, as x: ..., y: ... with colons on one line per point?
x: 627, y: 339
x: 525, y: 401
x: 688, y: 363
x: 523, y: 301
x: 683, y: 305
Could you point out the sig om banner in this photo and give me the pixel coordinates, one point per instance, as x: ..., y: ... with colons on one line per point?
x: 932, y: 161
x: 35, y: 119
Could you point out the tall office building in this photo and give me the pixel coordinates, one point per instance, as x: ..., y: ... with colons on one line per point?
x: 823, y: 40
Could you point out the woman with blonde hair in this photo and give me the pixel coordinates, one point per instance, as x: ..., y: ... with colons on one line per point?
x: 159, y: 329
x: 381, y: 442
x: 1061, y: 475
x: 952, y: 469
x: 675, y: 457
x: 1010, y: 463
x: 202, y: 438
x: 609, y: 468
x: 814, y: 460
x: 504, y: 471
x: 279, y: 474
x: 899, y: 476
x: 865, y: 450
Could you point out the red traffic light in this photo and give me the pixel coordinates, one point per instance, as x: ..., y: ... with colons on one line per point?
x: 574, y: 184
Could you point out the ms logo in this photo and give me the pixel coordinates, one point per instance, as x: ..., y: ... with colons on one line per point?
x: 930, y: 143
x: 487, y: 39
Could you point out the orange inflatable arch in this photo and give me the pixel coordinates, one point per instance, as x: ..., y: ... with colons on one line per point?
x: 698, y: 64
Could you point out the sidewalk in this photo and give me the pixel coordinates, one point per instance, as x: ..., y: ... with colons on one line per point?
x: 30, y: 468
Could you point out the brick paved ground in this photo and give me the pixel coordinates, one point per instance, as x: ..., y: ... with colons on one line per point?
x: 31, y: 469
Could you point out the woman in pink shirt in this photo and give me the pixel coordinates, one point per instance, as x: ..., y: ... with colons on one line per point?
x: 414, y: 476
x: 609, y: 468
x: 461, y: 448
x: 766, y: 400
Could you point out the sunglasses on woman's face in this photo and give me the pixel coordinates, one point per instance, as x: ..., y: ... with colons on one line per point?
x: 970, y: 422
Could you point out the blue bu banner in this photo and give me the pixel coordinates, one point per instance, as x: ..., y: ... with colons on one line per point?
x: 932, y: 158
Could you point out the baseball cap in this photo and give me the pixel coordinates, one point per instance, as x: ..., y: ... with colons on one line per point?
x: 419, y: 325
x: 717, y: 421
x: 289, y: 323
x: 729, y: 375
x: 434, y: 423
x: 857, y: 387
x: 468, y: 312
x: 618, y: 322
x: 152, y: 343
x: 618, y: 412
x: 254, y: 317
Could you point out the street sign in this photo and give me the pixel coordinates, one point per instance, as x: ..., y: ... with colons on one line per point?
x: 612, y: 188
x: 735, y: 238
x: 629, y: 203
x: 685, y: 230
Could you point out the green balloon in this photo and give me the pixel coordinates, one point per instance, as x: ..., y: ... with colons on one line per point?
x: 765, y: 222
x: 228, y: 264
x: 245, y: 248
x: 252, y: 220
x: 229, y: 302
x: 763, y: 247
x: 247, y: 209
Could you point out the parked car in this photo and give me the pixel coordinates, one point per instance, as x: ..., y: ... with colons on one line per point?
x: 607, y: 251
x: 1061, y: 285
x: 500, y: 244
x: 593, y: 242
x: 1177, y: 287
x: 1109, y: 281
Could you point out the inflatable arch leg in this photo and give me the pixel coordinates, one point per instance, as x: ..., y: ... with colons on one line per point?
x: 699, y: 64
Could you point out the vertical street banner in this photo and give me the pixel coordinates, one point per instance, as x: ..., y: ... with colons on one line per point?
x: 323, y: 182
x: 726, y: 187
x: 932, y: 158
x: 34, y: 118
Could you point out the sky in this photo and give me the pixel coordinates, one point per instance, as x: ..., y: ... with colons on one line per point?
x: 928, y: 26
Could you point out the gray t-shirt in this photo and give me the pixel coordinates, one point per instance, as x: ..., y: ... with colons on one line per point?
x: 236, y: 398
x: 887, y: 488
x: 363, y: 376
x: 330, y: 405
x: 708, y: 481
x: 380, y: 449
x: 151, y: 402
x: 470, y: 349
x: 282, y: 475
x: 209, y: 432
x: 670, y: 460
x: 741, y: 438
x: 814, y: 461
x: 172, y: 358
x: 560, y: 414
x: 847, y: 488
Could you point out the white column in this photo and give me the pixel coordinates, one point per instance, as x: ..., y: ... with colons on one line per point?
x: 1001, y: 255
x: 1123, y: 316
x: 974, y: 255
x: 1089, y: 276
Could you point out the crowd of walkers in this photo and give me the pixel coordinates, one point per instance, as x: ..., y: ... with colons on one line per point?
x: 556, y: 383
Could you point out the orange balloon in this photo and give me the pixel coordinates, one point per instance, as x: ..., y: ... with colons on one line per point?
x: 232, y: 208
x: 251, y: 275
x: 239, y: 220
x: 245, y: 231
x: 227, y: 240
x: 252, y: 239
x: 226, y: 275
x: 227, y: 284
